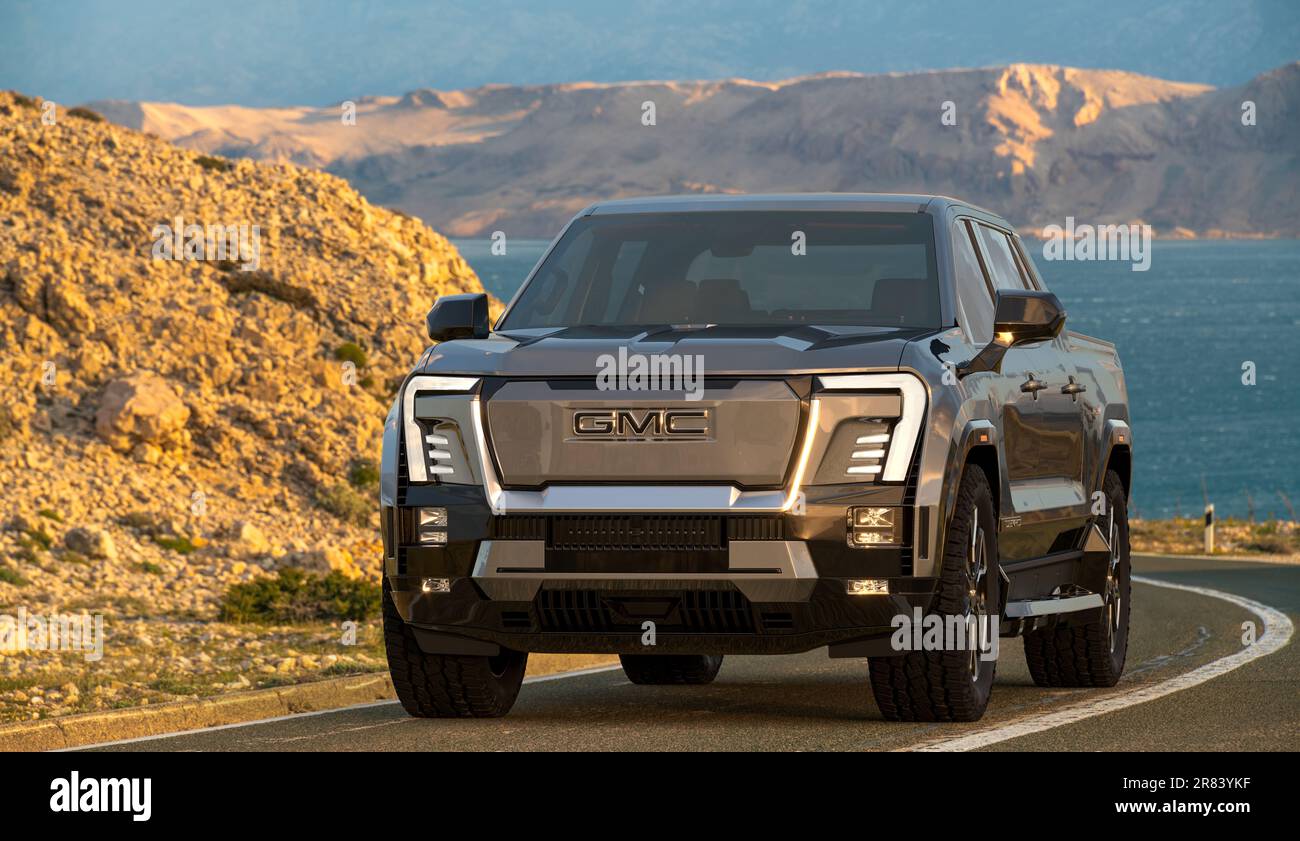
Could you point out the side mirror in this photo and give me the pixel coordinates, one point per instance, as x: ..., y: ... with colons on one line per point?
x: 1019, y: 317
x: 458, y: 317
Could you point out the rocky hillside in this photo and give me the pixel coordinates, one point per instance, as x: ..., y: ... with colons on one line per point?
x: 169, y: 426
x: 1036, y: 142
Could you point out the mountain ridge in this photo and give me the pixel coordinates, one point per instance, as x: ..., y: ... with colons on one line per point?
x: 1037, y: 142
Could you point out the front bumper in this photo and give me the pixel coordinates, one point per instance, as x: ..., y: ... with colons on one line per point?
x: 770, y: 585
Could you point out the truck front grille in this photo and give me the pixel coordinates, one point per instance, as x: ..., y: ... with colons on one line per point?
x: 635, y: 532
x: 613, y: 532
x: 690, y: 611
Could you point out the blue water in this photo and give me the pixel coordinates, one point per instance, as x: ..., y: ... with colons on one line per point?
x: 1183, y: 328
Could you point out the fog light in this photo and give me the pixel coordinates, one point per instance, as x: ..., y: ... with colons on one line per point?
x: 435, y: 585
x: 868, y: 586
x: 431, y: 526
x: 433, y: 517
x: 869, y: 527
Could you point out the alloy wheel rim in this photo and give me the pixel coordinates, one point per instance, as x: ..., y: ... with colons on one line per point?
x: 977, y: 566
x: 1113, y: 597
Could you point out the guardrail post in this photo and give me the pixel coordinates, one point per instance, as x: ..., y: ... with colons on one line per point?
x: 1209, y: 529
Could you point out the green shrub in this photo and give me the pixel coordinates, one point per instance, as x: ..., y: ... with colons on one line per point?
x: 181, y: 545
x: 50, y: 514
x: 213, y: 163
x: 141, y: 521
x: 298, y: 596
x: 25, y: 101
x: 85, y: 114
x: 363, y: 474
x: 351, y: 352
x: 346, y: 504
x: 10, y: 576
x: 177, y: 685
x: 36, y: 537
x: 151, y: 568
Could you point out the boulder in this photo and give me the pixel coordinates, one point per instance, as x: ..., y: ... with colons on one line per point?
x: 67, y: 308
x: 91, y: 542
x: 141, y: 408
x: 325, y: 560
x: 250, y: 540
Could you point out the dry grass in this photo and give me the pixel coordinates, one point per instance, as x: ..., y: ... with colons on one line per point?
x: 1185, y: 536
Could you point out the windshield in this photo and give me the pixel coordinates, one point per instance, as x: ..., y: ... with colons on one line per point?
x: 737, y: 267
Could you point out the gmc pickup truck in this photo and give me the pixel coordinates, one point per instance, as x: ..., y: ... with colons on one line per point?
x: 717, y: 425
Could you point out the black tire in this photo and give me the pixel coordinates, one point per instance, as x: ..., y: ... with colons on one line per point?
x: 1091, y: 654
x: 951, y: 685
x: 448, y: 686
x: 671, y: 669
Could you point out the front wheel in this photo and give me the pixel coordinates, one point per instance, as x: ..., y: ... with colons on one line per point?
x: 953, y: 684
x: 445, y: 685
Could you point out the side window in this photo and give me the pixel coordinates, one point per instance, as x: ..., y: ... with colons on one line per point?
x: 1003, y: 269
x: 1027, y: 266
x: 974, y: 299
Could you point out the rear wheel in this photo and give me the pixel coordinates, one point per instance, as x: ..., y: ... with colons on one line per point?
x: 1091, y: 654
x: 671, y: 669
x: 953, y: 684
x: 445, y: 685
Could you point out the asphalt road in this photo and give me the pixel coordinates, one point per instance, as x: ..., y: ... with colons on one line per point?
x: 1180, y: 642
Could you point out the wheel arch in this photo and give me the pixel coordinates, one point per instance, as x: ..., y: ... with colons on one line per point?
x: 1118, y: 455
x: 977, y: 446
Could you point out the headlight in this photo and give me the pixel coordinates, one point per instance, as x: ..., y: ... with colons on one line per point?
x: 879, y: 451
x: 428, y: 451
x: 870, y: 444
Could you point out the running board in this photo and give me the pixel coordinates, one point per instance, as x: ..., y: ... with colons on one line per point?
x: 1046, y: 607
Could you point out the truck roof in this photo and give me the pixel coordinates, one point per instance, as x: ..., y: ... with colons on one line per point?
x: 880, y: 202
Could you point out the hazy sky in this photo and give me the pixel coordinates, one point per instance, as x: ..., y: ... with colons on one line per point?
x: 321, y: 51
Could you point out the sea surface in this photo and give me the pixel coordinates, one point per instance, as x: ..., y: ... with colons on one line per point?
x: 1184, y: 329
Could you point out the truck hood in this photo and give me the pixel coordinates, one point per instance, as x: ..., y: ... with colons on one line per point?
x: 721, y: 350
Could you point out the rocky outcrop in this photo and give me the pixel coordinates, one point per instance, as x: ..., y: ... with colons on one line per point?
x: 178, y: 415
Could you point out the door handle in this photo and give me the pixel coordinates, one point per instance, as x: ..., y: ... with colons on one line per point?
x: 1073, y: 389
x: 1032, y: 386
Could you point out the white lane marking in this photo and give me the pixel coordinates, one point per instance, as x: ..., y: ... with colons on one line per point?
x: 593, y: 670
x: 215, y: 727
x: 295, y: 716
x: 1277, y: 633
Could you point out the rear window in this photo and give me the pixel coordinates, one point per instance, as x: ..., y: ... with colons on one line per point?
x: 737, y: 267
